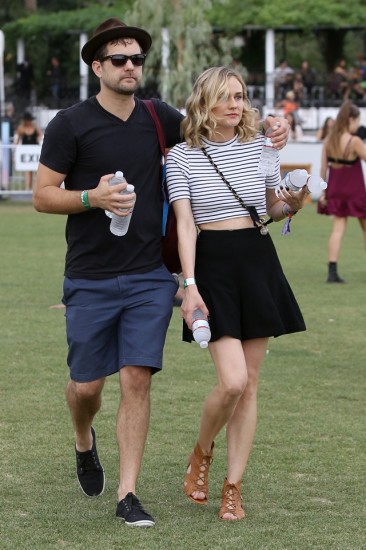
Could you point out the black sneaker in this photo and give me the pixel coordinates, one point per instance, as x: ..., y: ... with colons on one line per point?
x: 89, y: 471
x: 131, y: 511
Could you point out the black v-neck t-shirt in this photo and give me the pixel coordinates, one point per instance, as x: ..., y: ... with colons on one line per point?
x: 86, y: 142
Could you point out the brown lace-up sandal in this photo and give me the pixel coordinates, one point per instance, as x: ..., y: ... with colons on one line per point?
x: 231, y: 501
x: 196, y: 478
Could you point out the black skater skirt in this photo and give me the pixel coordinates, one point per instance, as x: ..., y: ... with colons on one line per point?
x: 241, y: 281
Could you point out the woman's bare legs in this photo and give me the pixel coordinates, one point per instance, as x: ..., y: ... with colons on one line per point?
x: 362, y: 222
x: 336, y: 237
x: 242, y: 425
x: 233, y: 401
x: 28, y: 176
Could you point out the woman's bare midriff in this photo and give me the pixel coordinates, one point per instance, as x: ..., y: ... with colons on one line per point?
x: 229, y: 225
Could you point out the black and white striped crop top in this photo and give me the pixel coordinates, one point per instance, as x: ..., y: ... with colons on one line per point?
x: 191, y: 176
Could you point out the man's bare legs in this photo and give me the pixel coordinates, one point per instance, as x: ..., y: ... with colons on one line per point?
x: 132, y: 425
x: 84, y: 400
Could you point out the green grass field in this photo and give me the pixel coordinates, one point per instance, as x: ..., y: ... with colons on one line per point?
x: 305, y: 484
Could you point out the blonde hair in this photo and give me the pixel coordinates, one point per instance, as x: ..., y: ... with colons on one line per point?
x: 341, y: 125
x: 210, y: 88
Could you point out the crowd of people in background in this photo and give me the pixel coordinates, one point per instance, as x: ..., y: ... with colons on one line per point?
x: 311, y: 87
x: 295, y: 88
x: 344, y: 82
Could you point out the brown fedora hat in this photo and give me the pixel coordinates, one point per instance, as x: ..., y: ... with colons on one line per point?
x: 109, y: 30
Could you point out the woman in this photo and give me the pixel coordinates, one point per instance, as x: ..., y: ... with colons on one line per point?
x: 234, y: 275
x: 28, y: 133
x: 345, y: 195
x: 325, y: 129
x: 296, y: 133
x: 289, y: 104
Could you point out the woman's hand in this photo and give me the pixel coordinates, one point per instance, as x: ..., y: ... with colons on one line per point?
x: 323, y: 199
x: 191, y: 301
x: 295, y: 200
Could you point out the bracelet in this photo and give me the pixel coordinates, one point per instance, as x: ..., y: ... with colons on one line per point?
x: 287, y: 212
x: 85, y: 200
x: 189, y: 281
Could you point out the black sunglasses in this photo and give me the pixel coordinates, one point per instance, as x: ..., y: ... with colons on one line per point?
x: 120, y: 60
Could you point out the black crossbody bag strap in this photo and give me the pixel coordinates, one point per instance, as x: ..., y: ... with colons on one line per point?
x: 257, y: 221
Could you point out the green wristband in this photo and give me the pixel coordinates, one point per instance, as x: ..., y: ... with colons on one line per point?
x: 85, y: 200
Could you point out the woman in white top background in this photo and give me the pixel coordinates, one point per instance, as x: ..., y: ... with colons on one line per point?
x: 230, y: 267
x: 296, y: 133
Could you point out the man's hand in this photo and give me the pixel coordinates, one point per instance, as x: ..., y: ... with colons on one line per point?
x: 109, y: 197
x: 280, y: 130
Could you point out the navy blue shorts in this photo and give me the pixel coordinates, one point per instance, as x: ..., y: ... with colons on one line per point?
x: 111, y: 323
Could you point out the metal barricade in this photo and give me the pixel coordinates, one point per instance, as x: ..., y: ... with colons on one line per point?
x: 15, y: 160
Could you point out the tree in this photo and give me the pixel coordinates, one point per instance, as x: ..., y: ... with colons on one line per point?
x: 44, y: 33
x: 193, y: 46
x: 200, y: 33
x: 327, y: 20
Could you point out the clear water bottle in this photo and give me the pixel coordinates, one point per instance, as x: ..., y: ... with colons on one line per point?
x: 294, y: 180
x: 201, y: 329
x: 120, y: 224
x: 269, y: 156
x: 316, y: 185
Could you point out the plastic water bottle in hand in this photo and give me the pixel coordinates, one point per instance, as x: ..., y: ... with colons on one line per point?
x: 269, y: 156
x: 120, y: 224
x: 316, y: 185
x: 296, y: 179
x: 115, y: 180
x: 201, y: 329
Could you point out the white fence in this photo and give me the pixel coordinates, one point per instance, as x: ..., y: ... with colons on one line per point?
x: 19, y: 158
x: 15, y: 159
x: 313, y: 118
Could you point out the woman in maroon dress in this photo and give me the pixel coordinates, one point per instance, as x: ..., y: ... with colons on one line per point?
x: 345, y: 195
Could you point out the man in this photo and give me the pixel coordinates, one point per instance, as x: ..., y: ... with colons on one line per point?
x: 283, y: 79
x: 117, y: 292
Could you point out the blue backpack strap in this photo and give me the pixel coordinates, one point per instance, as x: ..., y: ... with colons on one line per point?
x: 159, y: 129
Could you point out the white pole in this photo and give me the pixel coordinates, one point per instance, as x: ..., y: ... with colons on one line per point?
x: 20, y: 51
x: 83, y: 70
x: 2, y: 86
x: 270, y: 67
x: 5, y: 125
x: 165, y: 54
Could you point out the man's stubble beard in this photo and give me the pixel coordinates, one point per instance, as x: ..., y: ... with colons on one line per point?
x: 121, y: 89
